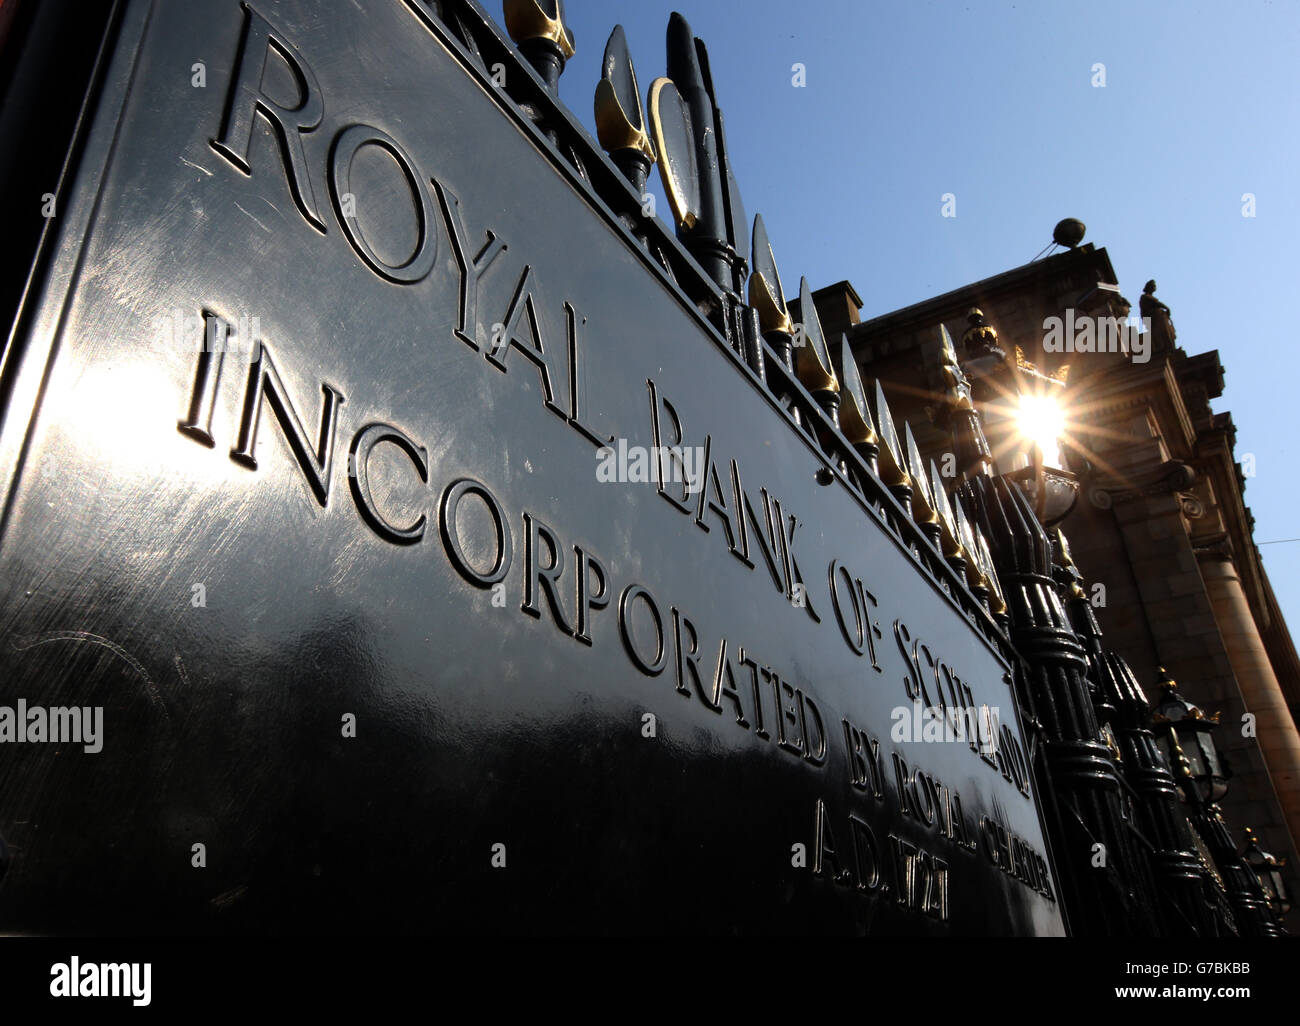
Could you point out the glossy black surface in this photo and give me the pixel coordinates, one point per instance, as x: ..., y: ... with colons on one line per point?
x: 348, y: 574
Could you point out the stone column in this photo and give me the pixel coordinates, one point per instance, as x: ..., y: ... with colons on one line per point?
x: 1275, y: 730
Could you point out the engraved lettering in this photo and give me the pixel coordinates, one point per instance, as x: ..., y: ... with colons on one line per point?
x: 769, y: 674
x: 874, y: 632
x: 207, y: 376
x: 766, y: 534
x: 808, y: 711
x: 960, y: 834
x: 713, y: 498
x: 449, y: 520
x: 922, y: 788
x: 866, y: 854
x: 787, y: 713
x: 247, y: 99
x: 264, y: 381
x: 572, y: 321
x: 344, y: 151
x: 865, y: 771
x: 854, y: 629
x: 741, y: 551
x: 657, y: 435
x: 905, y: 870
x: 471, y: 267
x: 903, y: 779
x: 523, y: 308
x: 589, y: 598
x: 904, y: 638
x: 990, y: 836
x: 744, y: 660
x: 626, y: 603
x: 546, y: 576
x: 688, y: 659
x: 826, y: 859
x: 724, y: 686
x: 362, y: 445
x: 938, y: 905
x: 794, y: 575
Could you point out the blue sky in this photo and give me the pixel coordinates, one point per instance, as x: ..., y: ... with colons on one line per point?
x: 994, y: 102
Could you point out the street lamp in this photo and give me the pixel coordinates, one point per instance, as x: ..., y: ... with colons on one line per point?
x: 1255, y: 912
x: 1041, y: 422
x: 1024, y: 419
x: 1179, y: 723
x: 1268, y: 869
x: 1050, y: 488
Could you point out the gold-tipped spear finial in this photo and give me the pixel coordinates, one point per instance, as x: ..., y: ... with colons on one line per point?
x: 923, y: 501
x: 765, y: 292
x: 1067, y: 564
x: 812, y: 359
x: 855, y: 414
x: 949, y: 532
x: 620, y: 117
x: 530, y: 20
x: 977, y: 574
x: 893, y: 464
x: 958, y: 412
x: 956, y: 386
x: 687, y: 126
x: 997, y: 600
x: 674, y: 142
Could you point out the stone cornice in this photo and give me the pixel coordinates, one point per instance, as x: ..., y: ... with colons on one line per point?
x: 954, y: 304
x: 1203, y: 369
x: 1172, y: 477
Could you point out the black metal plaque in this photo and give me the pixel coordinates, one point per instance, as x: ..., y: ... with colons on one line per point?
x: 388, y: 543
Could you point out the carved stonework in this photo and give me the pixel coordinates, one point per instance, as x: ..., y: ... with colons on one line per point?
x: 980, y: 338
x: 1193, y: 507
x: 1218, y: 547
x: 1171, y: 477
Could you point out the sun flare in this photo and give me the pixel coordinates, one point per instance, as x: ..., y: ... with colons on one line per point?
x: 1041, y: 421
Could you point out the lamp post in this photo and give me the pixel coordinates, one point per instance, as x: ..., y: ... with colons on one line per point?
x: 1268, y: 871
x: 1186, y: 738
x: 1176, y: 717
x: 1023, y: 415
x: 1114, y: 898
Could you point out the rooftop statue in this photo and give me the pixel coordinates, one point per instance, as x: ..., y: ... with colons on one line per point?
x: 1162, y: 325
